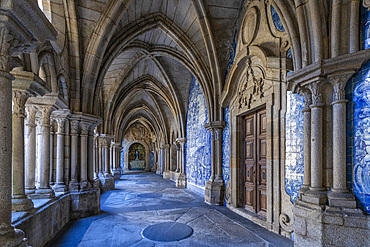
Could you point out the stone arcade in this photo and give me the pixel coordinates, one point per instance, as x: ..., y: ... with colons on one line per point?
x: 260, y: 106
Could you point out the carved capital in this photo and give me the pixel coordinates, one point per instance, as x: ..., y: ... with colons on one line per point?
x: 7, y: 43
x: 19, y: 98
x: 31, y: 111
x: 306, y: 94
x: 75, y: 127
x: 217, y: 134
x: 339, y: 83
x: 61, y: 125
x: 316, y: 92
x: 84, y: 128
x: 45, y: 111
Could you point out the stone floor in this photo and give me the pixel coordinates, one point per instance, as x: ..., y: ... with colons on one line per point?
x: 144, y: 199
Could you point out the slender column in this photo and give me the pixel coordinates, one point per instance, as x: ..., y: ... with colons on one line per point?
x: 96, y: 157
x: 51, y: 176
x: 44, y: 190
x: 106, y: 151
x: 178, y: 163
x: 84, y: 184
x: 216, y: 129
x: 172, y: 147
x: 60, y: 185
x: 339, y: 193
x: 67, y: 153
x: 307, y: 141
x: 91, y: 155
x: 20, y: 202
x: 8, y: 235
x: 316, y: 193
x: 30, y: 146
x: 147, y: 160
x: 166, y: 160
x: 73, y: 184
x: 181, y: 179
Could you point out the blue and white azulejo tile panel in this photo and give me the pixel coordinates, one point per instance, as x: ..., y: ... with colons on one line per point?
x: 358, y: 136
x: 365, y: 28
x: 151, y: 160
x: 226, y: 146
x: 294, y: 145
x: 198, y: 145
x: 277, y: 21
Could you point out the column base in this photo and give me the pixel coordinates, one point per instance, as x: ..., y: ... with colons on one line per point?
x: 158, y: 172
x: 342, y: 199
x: 116, y: 174
x: 60, y: 188
x: 316, y: 226
x: 21, y: 204
x: 43, y: 194
x: 166, y: 175
x: 12, y: 237
x: 214, y: 192
x: 85, y: 186
x: 74, y: 186
x: 318, y: 197
x: 30, y: 190
x: 181, y: 181
x: 107, y: 183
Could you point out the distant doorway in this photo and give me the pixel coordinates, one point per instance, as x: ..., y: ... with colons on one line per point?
x: 255, y: 199
x: 136, y: 157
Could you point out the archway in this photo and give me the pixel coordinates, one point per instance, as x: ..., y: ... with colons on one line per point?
x: 136, y: 157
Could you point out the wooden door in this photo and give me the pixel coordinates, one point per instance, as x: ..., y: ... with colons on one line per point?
x: 255, y: 162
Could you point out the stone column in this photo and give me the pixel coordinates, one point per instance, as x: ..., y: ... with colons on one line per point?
x: 316, y: 193
x: 215, y: 187
x: 307, y: 142
x: 100, y: 157
x: 84, y: 183
x: 178, y: 155
x: 73, y: 184
x: 339, y: 195
x: 115, y: 147
x: 147, y: 160
x: 44, y: 191
x: 8, y: 235
x: 107, y: 180
x: 106, y: 151
x: 91, y: 155
x: 96, y: 157
x: 20, y: 202
x: 181, y: 179
x: 51, y: 175
x: 59, y: 184
x: 67, y: 153
x: 30, y: 146
x: 166, y: 158
x: 172, y: 154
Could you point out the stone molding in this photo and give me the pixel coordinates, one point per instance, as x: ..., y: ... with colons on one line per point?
x: 19, y: 101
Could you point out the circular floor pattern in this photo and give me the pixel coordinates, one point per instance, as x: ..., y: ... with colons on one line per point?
x: 167, y: 232
x: 150, y: 195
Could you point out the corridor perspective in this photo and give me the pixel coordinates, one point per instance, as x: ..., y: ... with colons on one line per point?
x: 144, y: 199
x: 199, y: 122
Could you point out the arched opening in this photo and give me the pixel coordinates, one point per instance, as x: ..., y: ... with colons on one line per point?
x: 136, y: 156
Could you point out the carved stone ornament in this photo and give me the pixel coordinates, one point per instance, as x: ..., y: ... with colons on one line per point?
x: 45, y: 111
x: 7, y: 42
x: 305, y: 93
x: 339, y: 93
x: 74, y: 127
x: 315, y: 88
x: 246, y: 97
x: 366, y: 3
x: 31, y: 114
x: 286, y: 222
x: 61, y: 125
x: 19, y: 100
x: 250, y: 24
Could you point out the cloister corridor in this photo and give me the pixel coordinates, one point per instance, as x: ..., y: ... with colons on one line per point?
x: 142, y: 199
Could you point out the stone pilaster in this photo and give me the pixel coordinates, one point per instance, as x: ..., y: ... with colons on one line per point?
x: 44, y: 191
x: 20, y: 202
x: 166, y: 160
x: 96, y: 156
x: 181, y: 179
x: 107, y: 179
x: 52, y: 165
x: 147, y: 160
x: 215, y: 187
x: 30, y: 149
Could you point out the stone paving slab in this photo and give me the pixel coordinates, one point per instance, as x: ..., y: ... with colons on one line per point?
x: 125, y: 215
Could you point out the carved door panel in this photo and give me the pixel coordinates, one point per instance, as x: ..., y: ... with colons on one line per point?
x: 255, y: 162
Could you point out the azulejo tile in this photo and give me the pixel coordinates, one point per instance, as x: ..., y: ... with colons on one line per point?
x: 277, y: 21
x: 226, y: 146
x: 294, y: 145
x: 198, y: 145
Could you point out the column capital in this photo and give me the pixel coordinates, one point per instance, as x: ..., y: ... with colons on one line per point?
x: 181, y: 140
x: 316, y: 91
x: 339, y: 82
x: 75, y: 127
x: 19, y: 98
x: 46, y: 111
x: 306, y: 94
x: 166, y: 146
x: 31, y: 111
x: 215, y: 125
x: 84, y: 126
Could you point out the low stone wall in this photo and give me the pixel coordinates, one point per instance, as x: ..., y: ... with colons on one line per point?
x: 41, y: 225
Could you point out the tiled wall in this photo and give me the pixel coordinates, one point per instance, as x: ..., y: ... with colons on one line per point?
x: 226, y: 146
x: 151, y: 160
x: 294, y: 144
x: 275, y: 17
x: 358, y: 136
x: 198, y: 145
x: 365, y: 28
